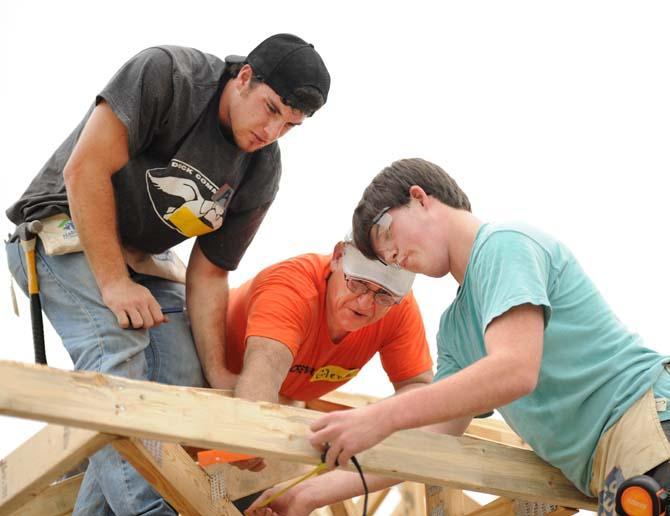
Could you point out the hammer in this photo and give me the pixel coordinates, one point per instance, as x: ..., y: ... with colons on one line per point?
x: 27, y: 232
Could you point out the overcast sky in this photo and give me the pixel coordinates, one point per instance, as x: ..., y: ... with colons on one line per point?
x: 554, y: 113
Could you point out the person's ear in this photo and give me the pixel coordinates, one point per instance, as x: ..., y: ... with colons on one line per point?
x: 338, y: 253
x: 244, y: 77
x: 418, y: 194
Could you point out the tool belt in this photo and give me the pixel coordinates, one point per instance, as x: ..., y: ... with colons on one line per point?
x: 59, y: 236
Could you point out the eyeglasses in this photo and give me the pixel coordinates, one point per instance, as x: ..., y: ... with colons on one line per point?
x: 360, y: 288
x: 383, y: 222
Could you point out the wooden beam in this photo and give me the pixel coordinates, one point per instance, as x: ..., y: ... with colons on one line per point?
x: 412, y: 500
x: 495, y: 430
x: 540, y: 509
x: 445, y: 501
x: 323, y: 405
x: 500, y: 507
x: 374, y: 501
x: 56, y: 500
x: 348, y: 399
x: 417, y: 493
x: 562, y: 511
x: 175, y: 476
x: 49, y: 454
x: 240, y: 483
x: 200, y: 417
x: 449, y: 502
x: 344, y: 508
x: 470, y: 504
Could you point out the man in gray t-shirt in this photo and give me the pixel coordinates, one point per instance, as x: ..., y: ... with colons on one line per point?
x: 179, y: 144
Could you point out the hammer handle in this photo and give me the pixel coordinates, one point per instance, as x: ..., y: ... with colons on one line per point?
x: 38, y: 329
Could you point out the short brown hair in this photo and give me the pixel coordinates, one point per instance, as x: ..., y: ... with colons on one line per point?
x: 390, y: 188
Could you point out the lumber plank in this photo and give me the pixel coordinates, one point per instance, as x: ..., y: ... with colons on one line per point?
x: 323, y: 405
x: 499, y: 507
x: 355, y: 505
x: 374, y: 501
x: 412, y: 500
x: 175, y: 476
x: 449, y: 502
x: 470, y: 504
x: 240, y: 483
x: 495, y: 430
x: 47, y: 455
x: 348, y: 399
x: 344, y: 508
x: 56, y: 500
x: 200, y: 417
x: 444, y: 501
x: 562, y: 511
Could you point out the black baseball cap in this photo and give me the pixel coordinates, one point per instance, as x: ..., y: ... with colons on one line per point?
x: 286, y: 62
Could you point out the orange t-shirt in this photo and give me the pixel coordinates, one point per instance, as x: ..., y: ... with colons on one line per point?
x: 286, y: 302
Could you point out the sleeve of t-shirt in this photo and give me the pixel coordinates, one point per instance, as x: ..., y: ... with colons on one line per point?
x: 510, y: 270
x: 405, y: 352
x: 226, y: 246
x: 279, y: 306
x: 140, y: 94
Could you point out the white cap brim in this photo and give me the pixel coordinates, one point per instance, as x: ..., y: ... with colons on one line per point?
x: 396, y: 281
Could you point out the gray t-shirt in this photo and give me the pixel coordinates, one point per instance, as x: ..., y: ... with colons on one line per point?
x: 185, y: 176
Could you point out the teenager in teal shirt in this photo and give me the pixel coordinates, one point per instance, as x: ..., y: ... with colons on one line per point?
x: 528, y: 334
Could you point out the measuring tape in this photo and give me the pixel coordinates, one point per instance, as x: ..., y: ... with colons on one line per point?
x: 642, y: 496
x: 320, y: 468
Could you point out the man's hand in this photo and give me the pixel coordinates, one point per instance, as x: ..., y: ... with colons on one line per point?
x: 133, y: 305
x: 256, y: 464
x: 348, y: 432
x: 292, y: 503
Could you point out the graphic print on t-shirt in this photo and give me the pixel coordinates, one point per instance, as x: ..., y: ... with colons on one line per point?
x: 186, y: 200
x: 333, y: 373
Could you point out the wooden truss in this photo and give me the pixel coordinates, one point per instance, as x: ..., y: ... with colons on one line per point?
x: 148, y: 423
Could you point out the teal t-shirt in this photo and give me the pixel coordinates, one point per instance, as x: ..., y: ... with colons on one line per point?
x: 593, y: 368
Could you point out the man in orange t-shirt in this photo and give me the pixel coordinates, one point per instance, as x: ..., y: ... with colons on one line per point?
x: 305, y: 326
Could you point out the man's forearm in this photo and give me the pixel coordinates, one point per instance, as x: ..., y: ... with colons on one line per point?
x: 420, y: 380
x: 487, y: 384
x: 207, y: 302
x: 252, y: 389
x: 335, y: 486
x: 102, y: 149
x: 266, y: 364
x: 93, y: 211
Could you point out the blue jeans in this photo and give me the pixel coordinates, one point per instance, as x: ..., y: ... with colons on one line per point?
x: 90, y: 332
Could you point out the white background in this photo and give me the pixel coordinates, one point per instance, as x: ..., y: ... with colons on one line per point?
x: 555, y: 113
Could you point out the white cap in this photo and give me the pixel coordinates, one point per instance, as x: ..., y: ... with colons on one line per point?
x: 396, y: 281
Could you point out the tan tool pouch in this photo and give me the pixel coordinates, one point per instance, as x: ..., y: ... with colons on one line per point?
x: 59, y: 236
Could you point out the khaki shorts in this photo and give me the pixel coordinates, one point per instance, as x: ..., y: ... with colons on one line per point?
x: 636, y: 443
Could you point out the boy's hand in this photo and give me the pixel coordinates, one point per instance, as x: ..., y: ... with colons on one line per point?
x: 349, y: 432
